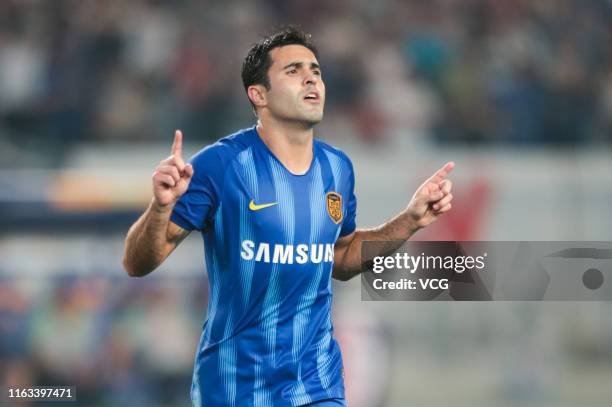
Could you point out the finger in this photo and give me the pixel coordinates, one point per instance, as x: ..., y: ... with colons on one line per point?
x: 442, y: 172
x: 170, y: 170
x: 188, y: 171
x: 177, y: 145
x: 180, y: 164
x: 445, y: 208
x: 174, y: 161
x: 442, y: 202
x: 435, y: 196
x: 165, y: 180
x: 446, y: 186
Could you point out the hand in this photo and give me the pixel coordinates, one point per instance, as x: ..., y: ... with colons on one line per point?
x: 432, y: 198
x: 172, y: 176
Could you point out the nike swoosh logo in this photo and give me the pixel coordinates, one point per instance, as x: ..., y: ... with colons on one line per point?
x: 254, y: 207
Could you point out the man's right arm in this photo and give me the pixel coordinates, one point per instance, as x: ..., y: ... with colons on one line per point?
x: 150, y: 240
x: 153, y: 236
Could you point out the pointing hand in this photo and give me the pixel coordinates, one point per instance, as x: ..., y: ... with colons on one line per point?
x: 432, y: 198
x: 172, y: 176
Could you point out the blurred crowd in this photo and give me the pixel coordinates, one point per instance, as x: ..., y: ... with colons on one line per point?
x: 120, y: 342
x: 469, y: 71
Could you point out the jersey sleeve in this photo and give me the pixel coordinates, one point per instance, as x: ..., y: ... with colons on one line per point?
x: 349, y: 225
x: 198, y: 205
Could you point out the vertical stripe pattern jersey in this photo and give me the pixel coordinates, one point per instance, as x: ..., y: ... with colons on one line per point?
x: 269, y: 240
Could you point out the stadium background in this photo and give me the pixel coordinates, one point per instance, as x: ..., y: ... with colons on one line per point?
x: 518, y: 93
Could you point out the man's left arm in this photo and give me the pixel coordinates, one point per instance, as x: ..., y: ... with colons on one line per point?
x: 431, y: 200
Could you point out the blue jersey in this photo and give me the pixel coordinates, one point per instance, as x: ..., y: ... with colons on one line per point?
x: 269, y: 245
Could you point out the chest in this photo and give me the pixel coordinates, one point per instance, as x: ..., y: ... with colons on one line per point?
x: 279, y: 207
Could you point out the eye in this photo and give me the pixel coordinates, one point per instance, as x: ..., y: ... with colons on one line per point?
x: 292, y: 71
x: 318, y: 73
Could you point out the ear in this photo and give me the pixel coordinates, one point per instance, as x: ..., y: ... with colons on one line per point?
x: 258, y: 95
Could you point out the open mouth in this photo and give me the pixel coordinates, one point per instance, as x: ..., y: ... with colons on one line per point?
x: 312, y: 97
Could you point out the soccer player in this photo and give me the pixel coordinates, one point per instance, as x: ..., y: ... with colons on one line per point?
x: 276, y: 210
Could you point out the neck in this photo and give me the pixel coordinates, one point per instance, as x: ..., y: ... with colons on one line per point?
x: 291, y: 144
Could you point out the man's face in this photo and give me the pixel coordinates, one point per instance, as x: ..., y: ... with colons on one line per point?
x: 297, y: 91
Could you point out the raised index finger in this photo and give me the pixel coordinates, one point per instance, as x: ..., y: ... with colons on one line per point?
x: 442, y: 172
x: 177, y: 145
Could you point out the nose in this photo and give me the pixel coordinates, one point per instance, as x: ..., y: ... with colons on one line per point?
x: 310, y: 79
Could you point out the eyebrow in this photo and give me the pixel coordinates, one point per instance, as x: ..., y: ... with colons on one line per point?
x: 313, y: 65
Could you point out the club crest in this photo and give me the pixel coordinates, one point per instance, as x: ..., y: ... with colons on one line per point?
x: 334, y: 206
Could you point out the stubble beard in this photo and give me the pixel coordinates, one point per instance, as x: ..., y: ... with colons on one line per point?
x: 308, y: 118
x: 311, y: 115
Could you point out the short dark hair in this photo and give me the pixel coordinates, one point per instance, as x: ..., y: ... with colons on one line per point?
x: 257, y: 62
